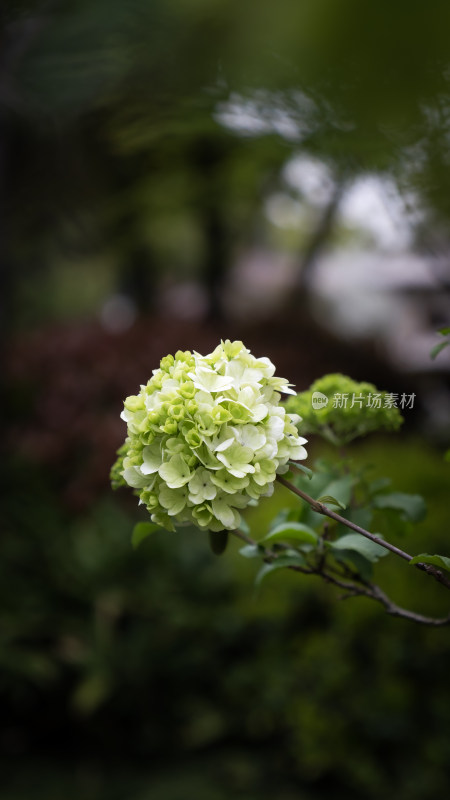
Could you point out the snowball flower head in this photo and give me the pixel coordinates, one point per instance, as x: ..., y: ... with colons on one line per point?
x: 207, y: 435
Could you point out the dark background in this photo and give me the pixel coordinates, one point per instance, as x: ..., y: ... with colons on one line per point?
x: 172, y: 173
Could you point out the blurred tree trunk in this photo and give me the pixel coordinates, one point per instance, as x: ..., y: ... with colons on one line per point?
x: 5, y: 269
x: 300, y: 296
x: 208, y: 157
x: 17, y: 36
x: 137, y: 277
x: 216, y: 260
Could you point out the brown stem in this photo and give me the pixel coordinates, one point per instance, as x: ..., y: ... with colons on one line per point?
x: 354, y: 588
x: 321, y: 508
x: 392, y: 608
x: 375, y: 593
x: 266, y: 552
x: 241, y: 535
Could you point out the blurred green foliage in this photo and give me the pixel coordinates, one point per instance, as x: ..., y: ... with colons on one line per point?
x: 340, y: 409
x: 164, y: 654
x: 118, y: 156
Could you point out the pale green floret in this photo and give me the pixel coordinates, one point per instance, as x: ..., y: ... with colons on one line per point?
x: 250, y: 436
x: 250, y: 399
x: 242, y: 375
x: 265, y: 471
x: 229, y: 349
x: 229, y: 483
x: 187, y: 390
x: 153, y: 458
x: 149, y: 499
x: 163, y: 519
x: 134, y: 403
x: 238, y: 412
x: 281, y: 385
x: 237, y: 459
x: 209, y: 381
x: 167, y: 362
x: 222, y: 441
x: 201, y: 487
x: 207, y: 458
x: 220, y: 415
x: 193, y: 437
x: 177, y: 412
x: 174, y: 500
x: 207, y: 436
x: 192, y: 407
x: 228, y: 516
x: 175, y: 445
x: 157, y: 379
x: 134, y: 478
x: 175, y: 472
x: 170, y: 426
x: 202, y: 516
x: 205, y: 425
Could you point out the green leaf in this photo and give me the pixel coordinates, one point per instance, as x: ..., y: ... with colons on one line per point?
x: 438, y: 561
x: 244, y: 526
x: 282, y: 562
x: 308, y: 472
x: 360, y: 516
x: 91, y: 692
x: 378, y: 485
x: 291, y: 530
x: 351, y: 558
x: 250, y: 551
x: 412, y: 506
x: 361, y: 545
x: 447, y: 456
x: 340, y: 490
x: 437, y: 349
x: 328, y: 500
x: 282, y: 516
x: 141, y: 530
x: 444, y: 331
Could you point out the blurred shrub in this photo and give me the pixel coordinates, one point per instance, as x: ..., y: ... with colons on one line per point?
x: 165, y: 653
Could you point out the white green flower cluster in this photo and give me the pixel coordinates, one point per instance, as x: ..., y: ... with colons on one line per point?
x: 207, y: 435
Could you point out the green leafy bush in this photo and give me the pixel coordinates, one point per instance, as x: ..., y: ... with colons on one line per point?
x: 339, y: 409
